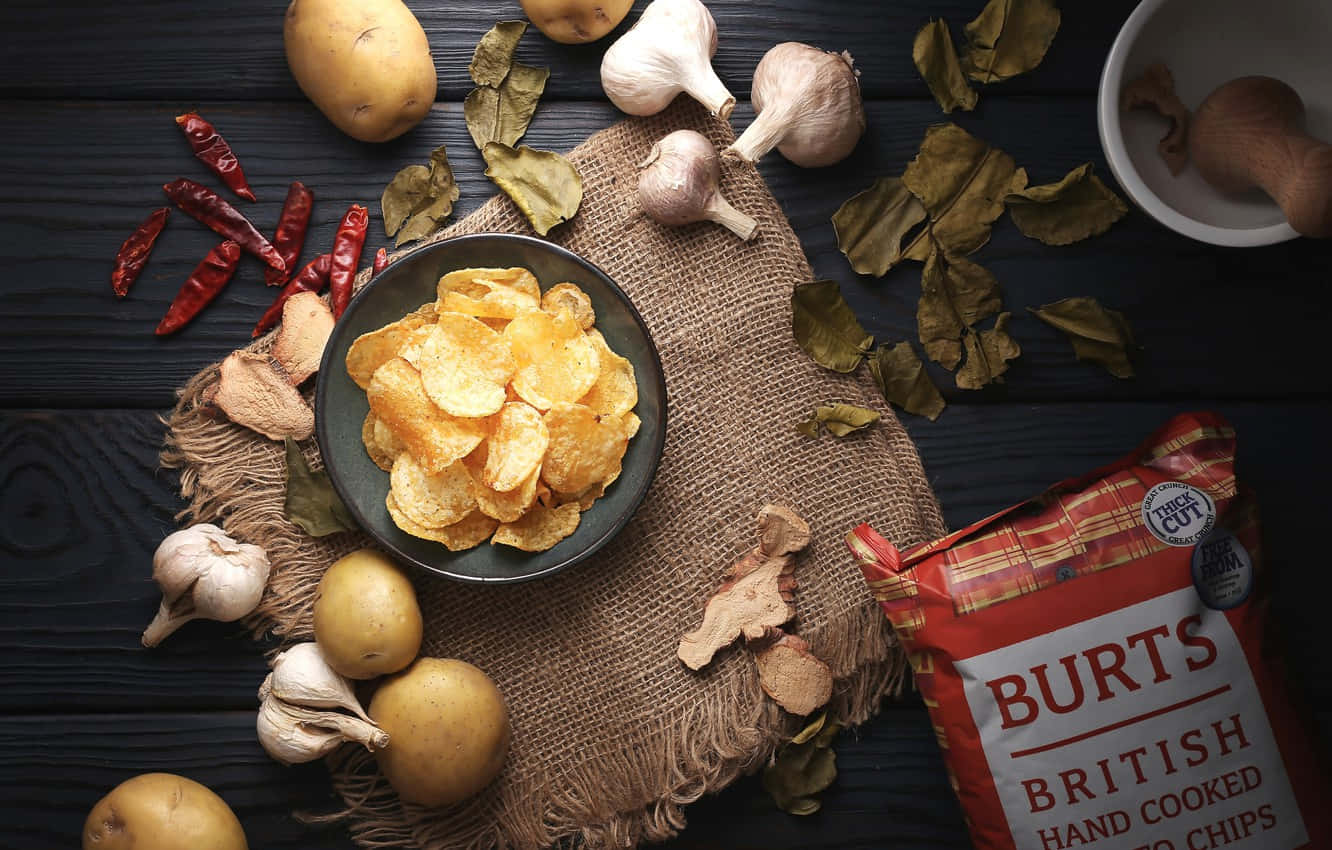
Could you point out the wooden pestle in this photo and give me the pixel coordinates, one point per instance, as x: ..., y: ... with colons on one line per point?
x: 1250, y: 132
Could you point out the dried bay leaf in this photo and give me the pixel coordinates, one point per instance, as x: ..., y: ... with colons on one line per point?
x: 988, y: 353
x: 405, y: 193
x: 954, y: 295
x: 826, y: 328
x: 543, y: 184
x: 481, y: 113
x: 870, y: 226
x: 843, y: 419
x: 425, y: 221
x: 1076, y: 207
x: 903, y: 380
x: 1098, y: 334
x: 802, y: 768
x: 494, y: 53
x: 936, y: 60
x: 311, y: 501
x: 962, y: 182
x: 419, y: 198
x: 1009, y: 37
x: 808, y: 427
x: 519, y: 94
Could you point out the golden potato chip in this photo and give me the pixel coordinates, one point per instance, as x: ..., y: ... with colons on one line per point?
x: 410, y: 350
x: 508, y: 506
x: 556, y: 361
x: 380, y: 444
x: 489, y: 293
x: 434, y: 438
x: 631, y: 424
x: 584, y: 449
x: 516, y: 447
x: 463, y: 534
x: 539, y: 529
x: 433, y: 501
x: 370, y: 351
x: 616, y: 391
x: 496, y: 325
x: 570, y: 296
x: 465, y: 366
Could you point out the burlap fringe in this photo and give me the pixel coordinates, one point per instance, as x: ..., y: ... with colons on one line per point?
x: 634, y: 796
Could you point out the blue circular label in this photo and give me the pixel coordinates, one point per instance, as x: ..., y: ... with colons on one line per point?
x: 1178, y: 514
x: 1222, y: 571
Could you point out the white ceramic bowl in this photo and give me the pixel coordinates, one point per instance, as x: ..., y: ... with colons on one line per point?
x: 1206, y: 43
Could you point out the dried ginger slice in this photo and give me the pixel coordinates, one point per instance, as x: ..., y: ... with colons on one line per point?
x: 790, y: 673
x: 306, y: 325
x: 253, y: 390
x: 758, y: 593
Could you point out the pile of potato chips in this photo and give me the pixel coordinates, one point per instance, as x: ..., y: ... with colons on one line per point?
x: 498, y: 412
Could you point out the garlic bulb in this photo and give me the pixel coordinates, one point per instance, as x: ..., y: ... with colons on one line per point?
x: 293, y: 734
x: 302, y: 676
x: 678, y: 185
x: 205, y: 574
x: 808, y: 106
x: 669, y: 50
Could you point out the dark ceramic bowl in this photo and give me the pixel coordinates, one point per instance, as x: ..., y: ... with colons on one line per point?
x: 341, y: 406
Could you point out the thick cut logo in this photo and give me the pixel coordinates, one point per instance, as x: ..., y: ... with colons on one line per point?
x: 1178, y: 514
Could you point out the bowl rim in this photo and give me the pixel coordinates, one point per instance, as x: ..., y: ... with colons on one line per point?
x: 322, y: 437
x: 1116, y: 153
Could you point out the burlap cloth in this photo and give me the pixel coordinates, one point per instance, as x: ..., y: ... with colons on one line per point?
x: 612, y: 735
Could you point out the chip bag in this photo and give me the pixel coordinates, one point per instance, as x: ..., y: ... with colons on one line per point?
x: 1091, y: 661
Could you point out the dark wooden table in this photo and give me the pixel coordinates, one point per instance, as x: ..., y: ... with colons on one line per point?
x: 88, y: 93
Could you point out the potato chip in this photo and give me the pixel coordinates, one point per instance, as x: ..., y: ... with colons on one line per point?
x: 370, y: 351
x: 467, y: 532
x: 556, y: 361
x: 489, y: 293
x: 508, y: 506
x: 496, y: 325
x: 382, y: 451
x: 584, y: 449
x: 433, y: 437
x: 568, y: 295
x: 539, y: 529
x: 631, y: 424
x: 465, y: 366
x: 516, y: 447
x: 616, y: 391
x: 433, y: 501
x: 410, y: 350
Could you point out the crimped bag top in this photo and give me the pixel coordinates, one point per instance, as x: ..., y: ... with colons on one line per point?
x: 1091, y: 660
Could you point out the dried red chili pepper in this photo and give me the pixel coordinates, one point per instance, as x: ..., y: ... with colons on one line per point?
x: 211, y: 210
x: 312, y: 278
x: 213, y: 151
x: 290, y: 236
x: 202, y: 286
x: 133, y: 254
x: 347, y: 247
x: 381, y: 260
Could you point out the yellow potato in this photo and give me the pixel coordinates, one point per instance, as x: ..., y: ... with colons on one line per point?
x: 465, y: 366
x: 433, y: 501
x: 539, y: 529
x: 570, y: 297
x: 584, y: 449
x: 576, y: 21
x: 370, y: 351
x: 516, y: 447
x: 365, y: 63
x: 471, y: 530
x: 162, y: 811
x: 556, y: 361
x: 434, y: 438
x: 489, y: 293
x: 615, y: 392
x: 366, y: 619
x: 448, y: 731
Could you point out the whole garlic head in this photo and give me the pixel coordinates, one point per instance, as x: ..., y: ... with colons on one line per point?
x: 678, y: 185
x: 301, y: 676
x: 669, y: 50
x: 808, y: 105
x: 203, y: 573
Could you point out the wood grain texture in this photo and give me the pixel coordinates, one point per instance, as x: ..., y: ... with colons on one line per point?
x: 83, y: 510
x: 66, y: 341
x: 164, y: 50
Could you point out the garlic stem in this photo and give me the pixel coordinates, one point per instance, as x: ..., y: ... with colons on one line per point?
x: 292, y: 734
x: 703, y: 85
x: 168, y: 619
x: 720, y: 211
x: 763, y: 135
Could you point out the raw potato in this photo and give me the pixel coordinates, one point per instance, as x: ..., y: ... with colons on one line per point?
x: 366, y: 620
x: 365, y: 63
x: 576, y: 21
x: 162, y: 811
x: 448, y: 731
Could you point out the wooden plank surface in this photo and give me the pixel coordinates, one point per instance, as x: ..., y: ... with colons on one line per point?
x: 165, y: 50
x: 64, y: 340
